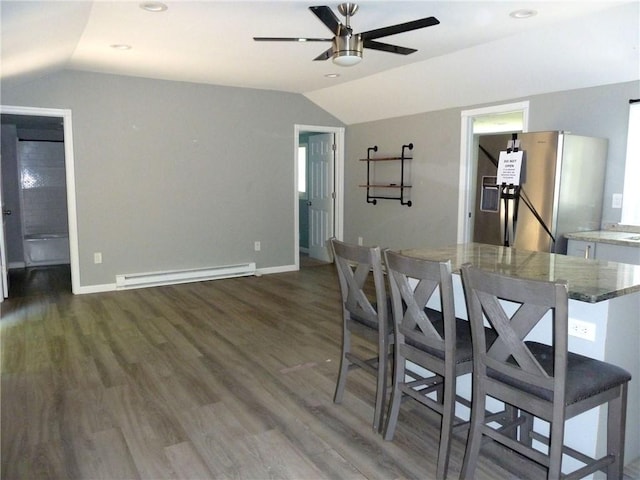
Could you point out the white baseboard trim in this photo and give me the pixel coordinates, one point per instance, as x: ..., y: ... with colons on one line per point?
x: 280, y: 269
x: 107, y: 287
x: 172, y: 277
x: 111, y: 287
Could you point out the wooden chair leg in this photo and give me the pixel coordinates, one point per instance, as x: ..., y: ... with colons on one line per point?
x: 526, y: 428
x: 474, y: 441
x: 344, y: 368
x: 396, y: 397
x: 616, y: 422
x: 555, y: 448
x: 446, y: 429
x: 381, y: 389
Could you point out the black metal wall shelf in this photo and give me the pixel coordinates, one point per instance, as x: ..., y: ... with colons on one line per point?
x: 374, y: 188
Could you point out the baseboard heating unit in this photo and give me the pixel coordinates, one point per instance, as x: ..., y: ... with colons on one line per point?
x: 155, y: 279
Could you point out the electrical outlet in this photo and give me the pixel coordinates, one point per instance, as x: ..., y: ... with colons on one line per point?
x: 360, y: 241
x: 616, y: 200
x: 582, y: 329
x: 256, y: 246
x: 97, y: 257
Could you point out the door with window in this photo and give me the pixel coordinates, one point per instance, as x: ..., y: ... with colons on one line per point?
x: 321, y: 194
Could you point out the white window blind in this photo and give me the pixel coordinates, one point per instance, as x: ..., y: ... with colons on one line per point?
x: 631, y: 196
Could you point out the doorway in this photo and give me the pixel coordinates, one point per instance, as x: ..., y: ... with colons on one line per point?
x: 50, y: 129
x: 496, y: 119
x: 319, y: 194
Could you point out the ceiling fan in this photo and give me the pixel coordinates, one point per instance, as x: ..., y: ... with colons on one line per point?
x: 346, y: 48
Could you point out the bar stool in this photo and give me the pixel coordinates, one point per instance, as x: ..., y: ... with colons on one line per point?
x: 364, y: 314
x: 542, y: 381
x: 432, y: 339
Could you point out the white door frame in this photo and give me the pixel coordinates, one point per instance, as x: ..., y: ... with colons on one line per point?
x: 70, y: 179
x: 4, y: 269
x: 338, y: 182
x: 465, y: 202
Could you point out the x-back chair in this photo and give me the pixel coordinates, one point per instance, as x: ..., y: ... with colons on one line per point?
x: 365, y: 315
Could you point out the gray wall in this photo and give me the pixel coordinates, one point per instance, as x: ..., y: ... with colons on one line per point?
x: 432, y: 220
x: 598, y: 112
x: 174, y: 175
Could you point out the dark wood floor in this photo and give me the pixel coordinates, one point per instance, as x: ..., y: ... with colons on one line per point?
x: 225, y: 379
x: 45, y: 280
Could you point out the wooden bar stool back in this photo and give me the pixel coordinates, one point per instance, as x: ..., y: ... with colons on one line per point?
x: 432, y: 339
x: 542, y: 381
x: 364, y: 314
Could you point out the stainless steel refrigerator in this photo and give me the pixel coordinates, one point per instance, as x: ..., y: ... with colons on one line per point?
x: 561, y: 190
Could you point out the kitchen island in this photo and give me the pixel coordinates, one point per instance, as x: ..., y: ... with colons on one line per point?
x: 613, y: 245
x: 605, y: 296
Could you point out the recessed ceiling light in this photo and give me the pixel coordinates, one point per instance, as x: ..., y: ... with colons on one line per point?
x: 523, y: 13
x: 332, y: 75
x: 121, y: 46
x: 153, y: 6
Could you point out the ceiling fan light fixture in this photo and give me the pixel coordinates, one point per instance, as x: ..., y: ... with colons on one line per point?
x: 523, y: 13
x: 347, y: 50
x: 154, y: 7
x: 347, y: 59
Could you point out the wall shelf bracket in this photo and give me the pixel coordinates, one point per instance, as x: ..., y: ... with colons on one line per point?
x: 375, y: 189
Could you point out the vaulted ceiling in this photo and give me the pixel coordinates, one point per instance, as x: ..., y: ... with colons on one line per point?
x: 478, y: 53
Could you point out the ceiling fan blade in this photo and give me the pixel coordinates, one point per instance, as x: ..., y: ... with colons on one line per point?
x: 385, y: 47
x: 401, y: 27
x: 326, y: 55
x: 326, y: 16
x: 290, y: 39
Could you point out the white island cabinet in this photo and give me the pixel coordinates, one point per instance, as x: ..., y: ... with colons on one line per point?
x: 603, y: 294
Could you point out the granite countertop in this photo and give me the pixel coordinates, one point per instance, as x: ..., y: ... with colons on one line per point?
x: 628, y: 239
x: 589, y: 281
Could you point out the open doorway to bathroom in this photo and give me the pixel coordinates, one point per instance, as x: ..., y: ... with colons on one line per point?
x: 319, y: 168
x: 35, y: 211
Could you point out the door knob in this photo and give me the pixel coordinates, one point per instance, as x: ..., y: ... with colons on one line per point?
x: 6, y: 212
x: 308, y: 204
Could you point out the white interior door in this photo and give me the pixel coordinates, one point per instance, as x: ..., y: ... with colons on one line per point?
x: 4, y: 276
x: 321, y: 197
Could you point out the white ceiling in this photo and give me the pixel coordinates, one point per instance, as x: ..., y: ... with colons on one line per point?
x: 478, y: 50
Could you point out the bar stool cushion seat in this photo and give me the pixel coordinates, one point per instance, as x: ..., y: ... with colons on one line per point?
x: 373, y: 322
x: 586, y: 376
x: 464, y: 349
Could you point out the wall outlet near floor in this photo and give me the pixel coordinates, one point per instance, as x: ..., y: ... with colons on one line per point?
x: 256, y: 246
x: 582, y: 329
x: 616, y: 200
x: 97, y: 257
x: 360, y: 241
